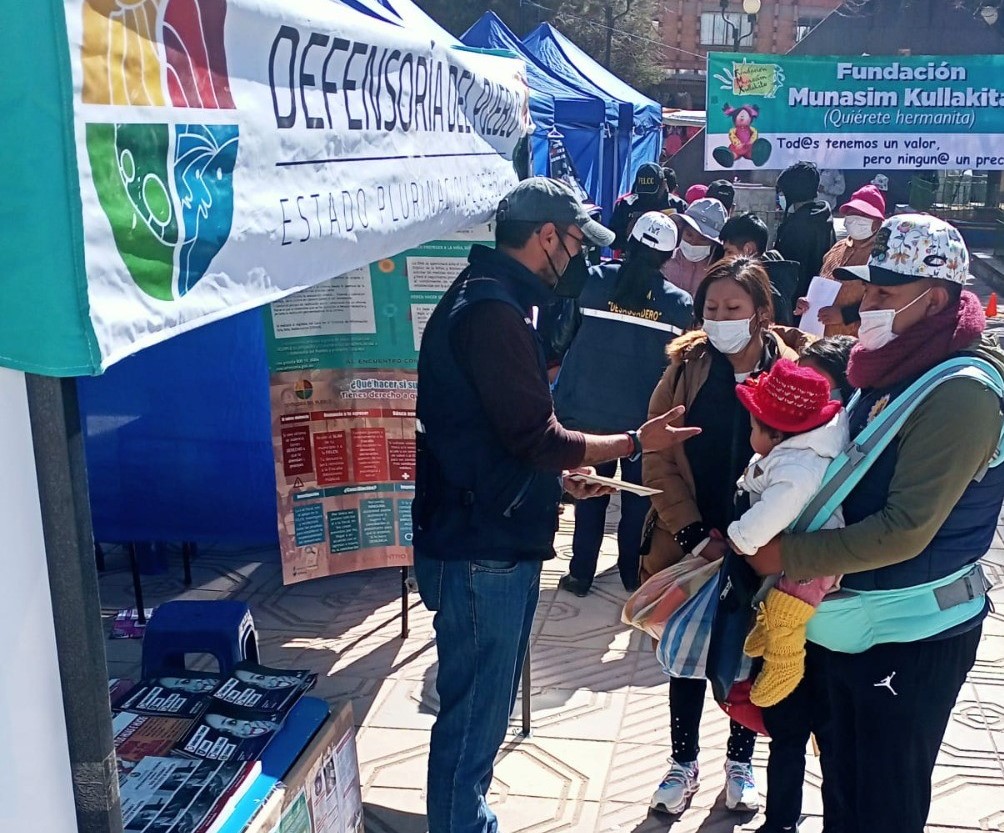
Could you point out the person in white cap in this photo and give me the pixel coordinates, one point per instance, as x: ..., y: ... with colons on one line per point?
x: 699, y: 228
x: 628, y: 313
x: 890, y: 652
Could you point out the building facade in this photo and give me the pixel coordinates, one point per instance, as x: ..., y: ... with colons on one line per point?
x: 689, y: 29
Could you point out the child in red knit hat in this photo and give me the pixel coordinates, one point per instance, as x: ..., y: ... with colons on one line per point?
x: 797, y: 431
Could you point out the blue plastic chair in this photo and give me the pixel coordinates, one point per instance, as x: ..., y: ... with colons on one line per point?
x: 224, y: 629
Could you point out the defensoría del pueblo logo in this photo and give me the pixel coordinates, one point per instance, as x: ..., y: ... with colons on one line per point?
x: 165, y: 187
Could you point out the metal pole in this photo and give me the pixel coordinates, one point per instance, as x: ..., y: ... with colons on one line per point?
x: 404, y: 603
x: 76, y: 609
x: 137, y: 584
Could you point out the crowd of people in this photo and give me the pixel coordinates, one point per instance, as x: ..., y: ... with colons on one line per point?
x: 681, y: 363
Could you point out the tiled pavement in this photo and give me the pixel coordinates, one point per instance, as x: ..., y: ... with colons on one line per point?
x: 600, y: 710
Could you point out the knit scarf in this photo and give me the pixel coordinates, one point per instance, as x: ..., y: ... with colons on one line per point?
x: 920, y: 348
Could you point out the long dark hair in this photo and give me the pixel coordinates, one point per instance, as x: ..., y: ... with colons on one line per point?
x: 634, y: 278
x: 745, y: 271
x: 831, y: 354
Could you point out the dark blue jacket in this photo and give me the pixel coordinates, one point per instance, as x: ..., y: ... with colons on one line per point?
x: 618, y: 356
x: 473, y: 499
x: 965, y: 536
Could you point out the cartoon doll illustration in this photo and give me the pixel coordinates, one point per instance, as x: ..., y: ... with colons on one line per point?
x: 744, y: 140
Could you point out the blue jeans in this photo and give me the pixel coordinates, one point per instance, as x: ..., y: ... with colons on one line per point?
x: 591, y: 519
x: 484, y: 614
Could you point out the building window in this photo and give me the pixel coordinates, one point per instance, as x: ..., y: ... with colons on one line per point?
x: 804, y: 25
x: 716, y: 32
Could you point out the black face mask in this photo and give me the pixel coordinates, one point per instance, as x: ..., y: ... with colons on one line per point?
x: 573, y: 279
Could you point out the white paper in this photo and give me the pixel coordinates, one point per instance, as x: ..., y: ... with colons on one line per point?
x: 620, y: 485
x: 822, y: 293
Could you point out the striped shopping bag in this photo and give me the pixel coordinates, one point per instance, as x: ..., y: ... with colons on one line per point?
x: 683, y: 648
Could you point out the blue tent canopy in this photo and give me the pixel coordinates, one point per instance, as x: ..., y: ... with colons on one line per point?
x: 577, y: 115
x: 179, y: 439
x: 642, y: 140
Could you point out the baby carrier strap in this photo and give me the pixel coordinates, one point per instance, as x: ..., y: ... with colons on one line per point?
x: 847, y: 469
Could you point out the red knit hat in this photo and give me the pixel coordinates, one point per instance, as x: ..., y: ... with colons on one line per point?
x: 789, y: 398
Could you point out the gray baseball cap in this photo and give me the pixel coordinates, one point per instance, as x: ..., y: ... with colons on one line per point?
x: 543, y: 200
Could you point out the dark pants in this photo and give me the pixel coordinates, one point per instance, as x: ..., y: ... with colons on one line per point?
x: 686, y: 704
x: 790, y: 722
x: 484, y: 615
x: 889, y: 708
x: 591, y: 519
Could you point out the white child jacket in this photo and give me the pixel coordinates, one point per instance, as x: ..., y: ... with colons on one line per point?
x: 782, y: 483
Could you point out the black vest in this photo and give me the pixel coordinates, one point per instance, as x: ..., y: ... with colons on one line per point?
x: 473, y: 500
x: 618, y: 356
x: 964, y: 537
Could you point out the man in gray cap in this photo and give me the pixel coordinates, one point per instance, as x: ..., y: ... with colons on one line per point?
x: 492, y: 462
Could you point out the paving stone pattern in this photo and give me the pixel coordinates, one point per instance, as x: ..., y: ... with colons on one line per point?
x: 600, y: 710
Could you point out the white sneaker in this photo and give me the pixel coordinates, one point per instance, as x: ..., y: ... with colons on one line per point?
x: 677, y: 786
x: 740, y: 788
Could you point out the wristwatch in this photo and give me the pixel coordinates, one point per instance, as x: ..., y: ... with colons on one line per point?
x: 636, y: 442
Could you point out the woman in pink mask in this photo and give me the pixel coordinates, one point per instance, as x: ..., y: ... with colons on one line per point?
x: 863, y: 214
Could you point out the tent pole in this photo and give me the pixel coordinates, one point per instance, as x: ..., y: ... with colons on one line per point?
x: 73, y: 586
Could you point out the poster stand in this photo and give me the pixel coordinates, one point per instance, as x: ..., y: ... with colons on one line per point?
x: 404, y: 603
x: 525, y: 727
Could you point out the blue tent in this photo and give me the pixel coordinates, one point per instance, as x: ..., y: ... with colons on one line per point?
x: 179, y: 439
x: 579, y: 117
x: 639, y: 135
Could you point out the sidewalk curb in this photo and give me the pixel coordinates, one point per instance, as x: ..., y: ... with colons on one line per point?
x: 989, y: 269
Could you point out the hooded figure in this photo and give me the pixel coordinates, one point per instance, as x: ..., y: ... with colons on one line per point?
x: 806, y: 232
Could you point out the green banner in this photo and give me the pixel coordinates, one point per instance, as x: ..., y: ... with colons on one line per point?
x: 855, y: 112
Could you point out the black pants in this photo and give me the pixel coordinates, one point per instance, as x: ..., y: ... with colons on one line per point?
x: 888, y: 711
x: 686, y: 703
x: 790, y: 722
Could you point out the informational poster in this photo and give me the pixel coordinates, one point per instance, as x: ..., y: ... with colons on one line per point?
x: 333, y: 788
x: 881, y: 112
x: 343, y: 357
x: 296, y: 817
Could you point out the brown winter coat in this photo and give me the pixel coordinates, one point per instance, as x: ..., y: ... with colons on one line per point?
x: 669, y: 471
x: 847, y: 252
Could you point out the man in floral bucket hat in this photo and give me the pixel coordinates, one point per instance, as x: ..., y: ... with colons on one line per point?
x: 890, y: 651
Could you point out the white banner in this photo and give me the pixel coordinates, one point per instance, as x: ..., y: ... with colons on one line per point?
x: 866, y: 151
x: 233, y: 151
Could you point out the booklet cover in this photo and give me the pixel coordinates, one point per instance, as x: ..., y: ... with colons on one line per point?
x: 613, y: 483
x: 137, y: 736
x: 186, y: 694
x: 231, y: 733
x: 179, y: 795
x: 264, y: 689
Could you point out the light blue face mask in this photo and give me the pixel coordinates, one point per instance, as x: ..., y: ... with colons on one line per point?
x: 781, y: 201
